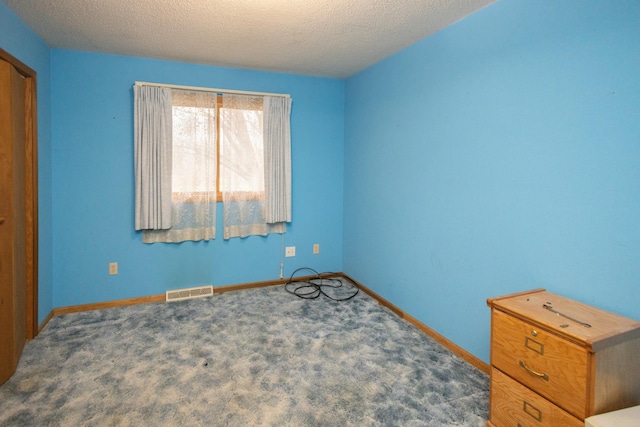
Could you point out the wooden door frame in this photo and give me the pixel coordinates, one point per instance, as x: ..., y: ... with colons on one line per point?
x: 31, y: 190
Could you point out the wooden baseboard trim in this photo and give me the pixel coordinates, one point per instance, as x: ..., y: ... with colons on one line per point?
x: 45, y: 321
x: 448, y: 344
x: 453, y: 347
x: 108, y: 304
x: 162, y: 297
x: 381, y: 301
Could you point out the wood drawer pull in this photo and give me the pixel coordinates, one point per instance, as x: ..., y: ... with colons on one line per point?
x: 1, y: 220
x: 532, y: 372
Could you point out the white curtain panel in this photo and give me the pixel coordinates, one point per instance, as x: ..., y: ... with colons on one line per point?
x: 193, y: 206
x: 242, y: 167
x: 277, y: 158
x: 152, y: 157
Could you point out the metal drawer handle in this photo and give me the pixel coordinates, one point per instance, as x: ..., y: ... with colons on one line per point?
x: 553, y: 310
x: 532, y: 372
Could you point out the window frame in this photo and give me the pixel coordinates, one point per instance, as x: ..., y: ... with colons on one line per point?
x: 195, y: 196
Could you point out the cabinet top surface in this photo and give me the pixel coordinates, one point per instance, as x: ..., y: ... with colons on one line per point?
x: 592, y: 327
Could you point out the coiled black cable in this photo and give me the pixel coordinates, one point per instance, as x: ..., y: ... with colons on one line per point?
x: 314, y: 287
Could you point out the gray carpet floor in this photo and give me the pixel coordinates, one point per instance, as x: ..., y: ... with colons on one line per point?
x: 257, y: 357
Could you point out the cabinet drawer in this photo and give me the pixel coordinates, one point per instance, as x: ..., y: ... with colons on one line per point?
x: 547, y: 364
x: 512, y: 404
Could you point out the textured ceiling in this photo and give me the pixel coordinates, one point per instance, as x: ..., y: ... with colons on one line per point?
x: 332, y: 38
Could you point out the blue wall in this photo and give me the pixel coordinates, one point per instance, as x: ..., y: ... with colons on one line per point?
x: 21, y: 42
x: 92, y: 114
x: 498, y: 155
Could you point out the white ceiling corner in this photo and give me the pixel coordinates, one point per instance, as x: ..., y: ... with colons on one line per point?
x: 328, y: 38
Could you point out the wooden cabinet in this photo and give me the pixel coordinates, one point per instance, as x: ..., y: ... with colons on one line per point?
x: 555, y: 361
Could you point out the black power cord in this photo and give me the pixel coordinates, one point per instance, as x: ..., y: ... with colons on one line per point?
x: 314, y: 287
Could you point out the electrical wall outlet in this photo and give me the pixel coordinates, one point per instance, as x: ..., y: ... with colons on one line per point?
x: 316, y: 248
x: 290, y: 251
x: 113, y: 268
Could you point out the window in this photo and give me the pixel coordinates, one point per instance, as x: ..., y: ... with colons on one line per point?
x: 217, y: 144
x: 195, y: 147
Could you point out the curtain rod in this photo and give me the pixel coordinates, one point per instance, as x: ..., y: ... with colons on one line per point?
x: 208, y: 89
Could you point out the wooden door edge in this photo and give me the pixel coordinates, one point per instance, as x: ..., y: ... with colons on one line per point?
x: 31, y: 196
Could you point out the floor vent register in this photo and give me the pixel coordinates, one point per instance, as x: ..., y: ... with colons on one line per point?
x: 189, y: 293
